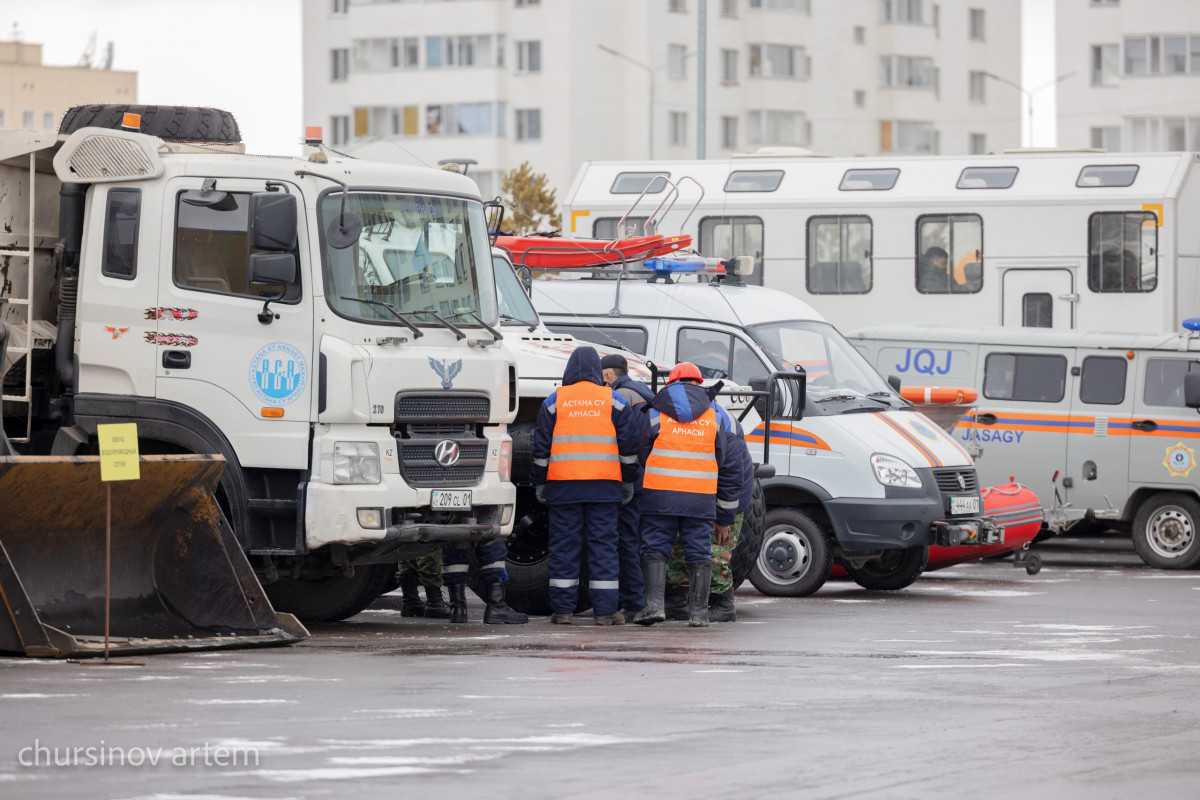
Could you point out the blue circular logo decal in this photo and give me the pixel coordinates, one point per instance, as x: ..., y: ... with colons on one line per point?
x: 278, y: 374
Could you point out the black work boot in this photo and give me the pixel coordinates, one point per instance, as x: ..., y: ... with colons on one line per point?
x: 676, y: 602
x: 499, y: 612
x: 720, y: 607
x: 412, y: 606
x: 699, y: 576
x: 435, y: 604
x: 654, y: 573
x: 458, y: 602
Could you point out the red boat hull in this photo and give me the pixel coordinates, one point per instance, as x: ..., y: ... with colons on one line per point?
x: 556, y: 252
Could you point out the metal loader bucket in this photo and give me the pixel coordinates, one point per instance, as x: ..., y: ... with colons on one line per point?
x: 179, y: 579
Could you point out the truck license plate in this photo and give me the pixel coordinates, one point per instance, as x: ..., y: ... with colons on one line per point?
x: 452, y: 500
x: 964, y: 505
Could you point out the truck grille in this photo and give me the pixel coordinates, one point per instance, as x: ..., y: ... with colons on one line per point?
x: 948, y: 481
x: 442, y: 406
x: 420, y: 468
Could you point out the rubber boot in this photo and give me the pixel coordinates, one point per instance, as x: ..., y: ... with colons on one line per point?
x: 458, y: 602
x: 498, y: 612
x: 435, y: 604
x: 676, y: 603
x: 720, y: 607
x: 699, y: 577
x: 654, y: 573
x: 412, y: 606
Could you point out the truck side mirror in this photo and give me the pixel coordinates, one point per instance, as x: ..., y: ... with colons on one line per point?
x: 894, y: 382
x: 1191, y: 390
x: 273, y: 269
x: 272, y: 221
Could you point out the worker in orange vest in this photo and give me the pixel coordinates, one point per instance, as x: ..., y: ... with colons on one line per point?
x: 584, y: 468
x: 691, y: 487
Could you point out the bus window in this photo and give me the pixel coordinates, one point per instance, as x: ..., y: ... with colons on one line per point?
x: 839, y: 255
x: 949, y: 253
x: 1118, y: 175
x: 754, y: 181
x: 868, y: 180
x: 1123, y: 251
x: 606, y: 227
x: 725, y: 237
x: 1023, y: 376
x: 1037, y: 310
x: 636, y: 183
x: 987, y: 178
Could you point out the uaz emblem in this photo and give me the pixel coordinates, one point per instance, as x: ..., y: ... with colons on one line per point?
x: 446, y: 453
x: 447, y: 372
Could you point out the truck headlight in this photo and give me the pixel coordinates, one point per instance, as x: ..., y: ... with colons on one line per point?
x: 504, y: 464
x: 891, y: 471
x: 356, y: 462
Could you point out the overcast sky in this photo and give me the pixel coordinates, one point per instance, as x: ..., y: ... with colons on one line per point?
x: 244, y: 55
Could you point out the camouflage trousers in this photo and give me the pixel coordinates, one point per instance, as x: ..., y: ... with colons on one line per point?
x: 722, y: 554
x: 428, y: 568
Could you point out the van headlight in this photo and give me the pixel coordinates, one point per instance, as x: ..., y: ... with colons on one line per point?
x: 891, y: 471
x: 356, y: 462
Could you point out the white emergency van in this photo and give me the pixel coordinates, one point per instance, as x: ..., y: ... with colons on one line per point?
x: 1107, y: 413
x: 861, y: 478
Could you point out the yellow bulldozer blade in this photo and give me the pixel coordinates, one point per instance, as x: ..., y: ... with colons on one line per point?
x: 179, y: 579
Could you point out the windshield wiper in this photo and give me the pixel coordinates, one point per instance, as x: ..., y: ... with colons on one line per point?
x: 849, y: 397
x: 457, y: 330
x: 510, y: 318
x: 417, y: 332
x: 473, y: 313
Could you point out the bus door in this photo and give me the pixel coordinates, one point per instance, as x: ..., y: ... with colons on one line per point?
x: 1038, y: 298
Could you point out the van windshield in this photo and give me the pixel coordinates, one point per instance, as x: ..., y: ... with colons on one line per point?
x: 834, y: 367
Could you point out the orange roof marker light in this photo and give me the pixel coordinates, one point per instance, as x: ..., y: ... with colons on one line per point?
x: 131, y: 122
x: 312, y: 135
x: 276, y: 413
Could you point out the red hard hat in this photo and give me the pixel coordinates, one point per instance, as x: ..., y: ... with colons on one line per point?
x: 684, y: 371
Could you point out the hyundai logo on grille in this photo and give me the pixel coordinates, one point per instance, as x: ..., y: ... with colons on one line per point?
x: 962, y: 483
x: 446, y: 453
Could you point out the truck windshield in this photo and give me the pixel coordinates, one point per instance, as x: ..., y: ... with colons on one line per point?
x: 416, y: 253
x: 515, y: 308
x: 834, y: 367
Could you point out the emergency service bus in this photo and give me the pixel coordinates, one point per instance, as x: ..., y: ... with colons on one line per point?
x: 1068, y: 240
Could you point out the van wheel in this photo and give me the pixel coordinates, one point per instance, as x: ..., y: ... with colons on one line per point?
x: 332, y: 598
x: 172, y: 123
x: 795, y: 556
x: 1165, y: 532
x: 895, y: 569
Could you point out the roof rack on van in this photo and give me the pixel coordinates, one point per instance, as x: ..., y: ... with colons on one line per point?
x: 783, y: 152
x: 1029, y: 150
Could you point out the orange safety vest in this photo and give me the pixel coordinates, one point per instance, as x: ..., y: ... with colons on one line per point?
x: 584, y: 446
x: 683, y: 458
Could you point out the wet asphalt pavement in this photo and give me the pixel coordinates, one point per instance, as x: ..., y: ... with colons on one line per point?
x: 977, y: 681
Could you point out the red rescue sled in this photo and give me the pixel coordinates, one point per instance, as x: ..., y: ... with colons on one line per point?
x: 557, y: 252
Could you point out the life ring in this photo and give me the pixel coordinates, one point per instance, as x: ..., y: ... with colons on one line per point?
x: 939, y: 395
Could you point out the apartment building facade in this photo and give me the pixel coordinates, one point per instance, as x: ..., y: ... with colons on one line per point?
x: 34, y: 96
x: 1135, y: 74
x: 559, y: 82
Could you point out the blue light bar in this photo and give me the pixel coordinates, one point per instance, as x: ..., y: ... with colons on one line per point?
x: 671, y: 265
x: 1192, y: 323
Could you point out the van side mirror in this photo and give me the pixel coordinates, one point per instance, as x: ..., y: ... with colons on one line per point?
x: 273, y: 221
x: 894, y: 382
x: 787, y: 389
x: 1191, y: 390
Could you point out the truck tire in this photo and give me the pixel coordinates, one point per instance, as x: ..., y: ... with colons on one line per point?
x: 750, y: 538
x: 893, y: 570
x: 171, y: 123
x: 1166, y: 531
x: 522, y: 451
x: 795, y: 554
x: 332, y: 598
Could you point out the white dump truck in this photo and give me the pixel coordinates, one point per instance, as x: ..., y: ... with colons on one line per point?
x: 326, y: 325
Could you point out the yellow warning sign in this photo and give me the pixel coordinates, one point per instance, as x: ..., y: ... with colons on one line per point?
x: 118, y: 452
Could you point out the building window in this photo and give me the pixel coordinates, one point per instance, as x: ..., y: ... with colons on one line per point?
x: 911, y: 11
x: 778, y: 127
x: 341, y: 6
x: 677, y: 6
x: 915, y: 72
x: 676, y: 61
x: 975, y: 25
x: 526, y: 3
x: 47, y: 120
x: 1106, y: 63
x: 1107, y: 138
x: 1024, y: 376
x: 677, y: 127
x: 860, y: 34
x: 907, y: 136
x: 778, y: 61
x: 802, y: 6
x: 529, y: 124
x: 462, y: 119
x: 1162, y: 55
x: 2, y: 120
x: 839, y: 255
x: 340, y: 63
x: 387, y: 54
x: 975, y: 89
x: 529, y: 56
x: 949, y: 253
x: 977, y: 144
x: 725, y: 237
x: 1155, y: 134
x: 729, y: 133
x: 339, y: 129
x: 860, y: 98
x: 1123, y: 251
x: 729, y: 71
x: 728, y: 8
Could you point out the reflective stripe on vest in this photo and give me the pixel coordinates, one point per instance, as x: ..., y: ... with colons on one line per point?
x: 584, y: 447
x: 683, y: 458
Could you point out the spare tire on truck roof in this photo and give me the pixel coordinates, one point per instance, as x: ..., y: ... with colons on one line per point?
x: 169, y: 123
